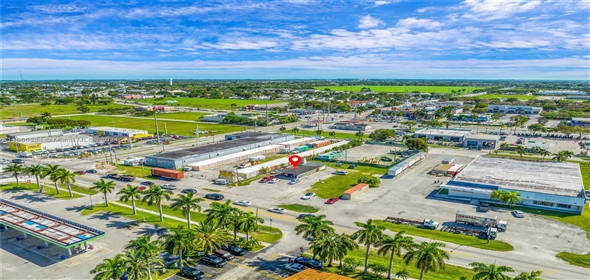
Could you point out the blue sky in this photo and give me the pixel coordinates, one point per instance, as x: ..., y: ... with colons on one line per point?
x: 303, y: 39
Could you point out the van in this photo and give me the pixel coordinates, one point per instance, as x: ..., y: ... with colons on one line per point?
x: 244, y: 165
x: 221, y: 182
x: 224, y: 255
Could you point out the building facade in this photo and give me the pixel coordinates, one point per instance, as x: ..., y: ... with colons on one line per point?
x: 113, y: 131
x: 452, y: 135
x: 510, y: 109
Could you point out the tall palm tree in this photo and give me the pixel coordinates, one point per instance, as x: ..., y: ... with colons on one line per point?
x: 220, y: 213
x: 136, y: 265
x: 210, y: 237
x: 325, y: 247
x: 370, y: 234
x: 38, y: 171
x: 314, y: 226
x: 104, y: 187
x: 563, y: 155
x: 180, y: 242
x: 110, y: 268
x: 520, y: 150
x: 545, y: 153
x: 395, y: 245
x: 187, y: 203
x: 511, y: 198
x: 145, y: 246
x: 428, y: 256
x: 497, y: 195
x: 319, y: 132
x: 490, y: 272
x: 67, y: 177
x: 154, y: 195
x: 534, y: 275
x: 360, y: 135
x: 53, y: 170
x: 247, y: 222
x: 345, y: 244
x: 130, y: 193
x: 504, y: 146
x: 16, y: 170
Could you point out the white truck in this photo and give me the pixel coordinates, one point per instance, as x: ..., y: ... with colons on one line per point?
x: 429, y: 224
x: 472, y: 219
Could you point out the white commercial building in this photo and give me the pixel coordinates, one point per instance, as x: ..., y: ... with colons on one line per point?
x: 436, y: 134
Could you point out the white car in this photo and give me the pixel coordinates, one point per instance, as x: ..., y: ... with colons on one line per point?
x: 277, y: 210
x: 308, y: 195
x: 4, y: 161
x: 168, y: 187
x: 518, y: 214
x: 274, y: 181
x: 295, y: 267
x: 242, y: 202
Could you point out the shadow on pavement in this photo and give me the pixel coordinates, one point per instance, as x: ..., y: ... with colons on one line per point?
x: 32, y: 197
x: 77, y: 209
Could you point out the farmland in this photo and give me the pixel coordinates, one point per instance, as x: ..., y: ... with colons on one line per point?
x: 35, y: 109
x: 219, y: 104
x: 506, y: 96
x: 401, y: 89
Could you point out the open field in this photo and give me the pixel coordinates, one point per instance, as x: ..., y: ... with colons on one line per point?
x: 335, y: 185
x: 506, y: 96
x: 401, y: 89
x: 35, y: 109
x: 221, y: 104
x: 185, y: 116
x: 173, y: 127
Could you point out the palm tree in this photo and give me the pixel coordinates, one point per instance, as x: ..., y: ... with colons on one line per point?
x: 395, y: 245
x: 369, y: 234
x: 534, y: 275
x: 504, y: 146
x: 490, y: 272
x: 145, y: 246
x: 563, y: 155
x: 104, y: 187
x: 295, y: 130
x: 325, y: 247
x: 180, y: 242
x: 511, y: 198
x: 520, y: 150
x: 110, y: 268
x: 67, y: 177
x: 360, y: 135
x: 209, y: 237
x: 154, y: 195
x: 247, y: 222
x: 282, y: 128
x: 345, y: 244
x: 314, y: 226
x: 373, y: 136
x: 130, y: 193
x: 38, y: 171
x: 53, y: 170
x: 319, y: 132
x: 135, y: 265
x: 16, y: 170
x: 497, y: 195
x: 545, y: 153
x: 332, y: 133
x: 428, y: 257
x: 187, y: 202
x: 221, y: 213
x: 403, y: 274
x: 46, y: 115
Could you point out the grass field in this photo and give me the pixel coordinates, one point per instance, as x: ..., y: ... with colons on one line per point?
x: 186, y: 116
x: 35, y: 109
x: 461, y: 239
x: 267, y: 234
x: 401, y: 89
x: 221, y: 104
x: 47, y: 190
x: 575, y: 259
x: 173, y: 127
x: 299, y: 208
x: 335, y: 185
x: 364, y: 169
x: 506, y: 96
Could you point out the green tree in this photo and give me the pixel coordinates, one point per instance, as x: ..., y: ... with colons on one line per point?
x: 504, y: 146
x: 110, y: 268
x: 370, y: 234
x: 377, y: 268
x: 325, y: 247
x: 52, y: 171
x: 403, y: 274
x: 295, y: 130
x: 16, y: 170
x: 67, y: 177
x: 490, y: 272
x: 38, y: 171
x: 187, y: 203
x: 104, y: 187
x: 332, y: 134
x: 345, y: 244
x: 534, y: 275
x: 563, y: 155
x: 136, y: 265
x: 373, y: 182
x: 394, y: 245
x: 416, y: 144
x: 209, y: 237
x: 360, y: 135
x: 350, y: 264
x: 282, y: 128
x: 511, y: 198
x: 497, y: 195
x: 145, y: 246
x: 83, y: 109
x: 130, y: 193
x: 428, y: 257
x: 319, y: 132
x: 46, y: 115
x: 247, y: 222
x: 220, y: 213
x: 314, y: 227
x: 179, y: 242
x: 155, y: 195
x: 520, y: 150
x: 545, y: 153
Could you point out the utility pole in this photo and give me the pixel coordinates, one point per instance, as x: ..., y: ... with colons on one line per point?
x: 197, y: 133
x: 156, y: 121
x: 266, y: 113
x: 165, y: 129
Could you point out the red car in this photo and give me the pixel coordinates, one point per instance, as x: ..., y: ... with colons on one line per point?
x: 142, y: 188
x: 80, y: 172
x: 332, y: 200
x: 266, y: 179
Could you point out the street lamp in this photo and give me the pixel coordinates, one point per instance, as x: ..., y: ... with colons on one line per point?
x: 142, y: 170
x: 142, y: 214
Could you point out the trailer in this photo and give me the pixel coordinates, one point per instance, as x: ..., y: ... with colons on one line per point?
x: 167, y: 173
x: 472, y: 219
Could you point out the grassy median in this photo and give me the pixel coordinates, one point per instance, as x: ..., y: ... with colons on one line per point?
x: 47, y: 190
x: 299, y: 208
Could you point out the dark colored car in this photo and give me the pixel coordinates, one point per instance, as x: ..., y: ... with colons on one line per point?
x: 301, y: 216
x: 147, y: 183
x: 214, y: 196
x: 332, y: 200
x: 235, y: 250
x: 18, y: 160
x: 189, y: 190
x: 213, y: 260
x: 352, y: 166
x: 91, y: 171
x: 81, y: 172
x: 224, y: 255
x: 309, y: 262
x: 192, y: 273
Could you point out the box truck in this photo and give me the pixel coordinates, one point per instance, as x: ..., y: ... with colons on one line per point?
x: 472, y: 219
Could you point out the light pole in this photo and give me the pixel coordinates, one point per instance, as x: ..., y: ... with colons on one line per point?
x: 270, y: 223
x: 142, y: 170
x: 91, y: 204
x: 157, y: 131
x: 142, y: 213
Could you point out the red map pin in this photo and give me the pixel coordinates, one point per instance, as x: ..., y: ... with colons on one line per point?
x: 295, y: 160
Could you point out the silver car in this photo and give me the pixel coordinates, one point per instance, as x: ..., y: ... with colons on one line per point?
x: 277, y: 210
x: 518, y: 214
x: 242, y: 202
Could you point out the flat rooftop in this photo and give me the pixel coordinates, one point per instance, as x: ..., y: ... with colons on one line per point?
x: 47, y: 132
x: 52, y: 229
x: 444, y: 132
x: 483, y: 137
x: 306, y: 167
x: 561, y: 178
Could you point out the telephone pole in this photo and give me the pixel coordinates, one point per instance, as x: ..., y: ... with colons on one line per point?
x: 157, y: 132
x: 197, y: 133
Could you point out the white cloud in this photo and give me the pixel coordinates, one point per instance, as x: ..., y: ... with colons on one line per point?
x: 419, y: 23
x: 242, y: 45
x: 368, y: 21
x: 488, y: 10
x: 380, y: 3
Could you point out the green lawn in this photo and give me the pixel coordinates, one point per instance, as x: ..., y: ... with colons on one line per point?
x: 220, y: 104
x: 312, y: 132
x: 585, y: 170
x: 450, y: 272
x: 173, y: 127
x: 401, y: 89
x: 299, y: 208
x: 186, y: 116
x: 460, y: 239
x: 195, y: 216
x: 360, y: 168
x: 81, y: 189
x: 135, y: 171
x: 48, y: 190
x: 335, y: 185
x: 34, y: 109
x: 267, y: 234
x: 210, y: 190
x: 128, y: 213
x: 169, y: 273
x: 506, y: 96
x: 575, y: 259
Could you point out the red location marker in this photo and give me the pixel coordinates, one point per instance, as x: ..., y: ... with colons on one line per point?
x: 295, y: 160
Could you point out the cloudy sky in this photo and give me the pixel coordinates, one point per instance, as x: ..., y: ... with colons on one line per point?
x: 282, y: 39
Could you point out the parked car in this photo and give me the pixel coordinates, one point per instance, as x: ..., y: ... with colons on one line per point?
x: 189, y: 190
x: 80, y: 172
x: 295, y: 267
x: 301, y: 216
x: 91, y: 171
x: 332, y: 200
x: 147, y: 183
x: 242, y: 202
x: 142, y: 188
x: 213, y: 260
x: 192, y: 273
x: 274, y: 181
x: 4, y: 161
x: 518, y: 214
x: 234, y: 250
x: 340, y: 172
x: 352, y: 166
x: 168, y: 187
x: 224, y: 255
x: 294, y: 181
x: 309, y: 262
x: 266, y: 179
x: 308, y: 195
x: 277, y: 210
x: 18, y: 160
x: 214, y: 196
